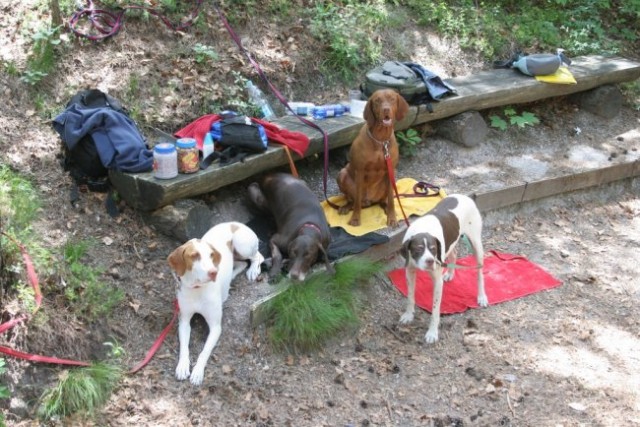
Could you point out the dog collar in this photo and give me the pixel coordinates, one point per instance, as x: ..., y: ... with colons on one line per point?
x: 309, y: 225
x: 384, y: 144
x: 370, y: 135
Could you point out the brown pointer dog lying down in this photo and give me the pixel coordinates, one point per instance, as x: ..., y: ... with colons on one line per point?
x: 365, y: 179
x: 303, y: 231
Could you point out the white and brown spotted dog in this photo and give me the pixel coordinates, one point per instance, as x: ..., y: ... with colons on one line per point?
x: 205, y: 268
x: 430, y: 243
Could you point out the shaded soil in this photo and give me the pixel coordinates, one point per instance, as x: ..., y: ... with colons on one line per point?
x: 569, y: 356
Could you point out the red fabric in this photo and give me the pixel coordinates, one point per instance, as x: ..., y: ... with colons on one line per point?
x: 296, y: 141
x: 506, y: 277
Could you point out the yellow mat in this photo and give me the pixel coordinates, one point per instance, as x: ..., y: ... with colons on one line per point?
x: 373, y: 218
x: 561, y: 76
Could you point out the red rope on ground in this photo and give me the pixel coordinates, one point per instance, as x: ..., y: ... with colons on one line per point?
x: 33, y: 280
x: 108, y: 24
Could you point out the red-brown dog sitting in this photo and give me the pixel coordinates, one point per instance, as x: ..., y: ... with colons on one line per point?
x: 365, y: 180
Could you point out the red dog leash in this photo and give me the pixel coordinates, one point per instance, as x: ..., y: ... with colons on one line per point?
x: 392, y: 178
x: 33, y: 280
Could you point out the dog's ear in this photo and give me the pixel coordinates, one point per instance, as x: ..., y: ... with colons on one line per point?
x: 327, y: 263
x: 439, y: 251
x: 369, y: 114
x: 216, y: 257
x: 403, y: 108
x: 177, y: 260
x: 404, y: 251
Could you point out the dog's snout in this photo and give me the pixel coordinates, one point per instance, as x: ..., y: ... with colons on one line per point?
x: 297, y: 275
x: 212, y: 273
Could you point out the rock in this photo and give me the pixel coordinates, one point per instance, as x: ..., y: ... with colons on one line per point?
x: 184, y: 220
x: 604, y: 101
x: 468, y: 129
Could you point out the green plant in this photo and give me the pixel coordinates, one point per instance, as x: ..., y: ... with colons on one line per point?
x: 4, y: 390
x: 305, y: 315
x: 10, y: 68
x: 42, y: 55
x: 81, y: 390
x: 631, y: 92
x: 348, y: 30
x: 515, y: 119
x: 89, y: 296
x: 116, y: 351
x: 204, y: 53
x: 591, y: 26
x: 408, y: 141
x: 19, y: 201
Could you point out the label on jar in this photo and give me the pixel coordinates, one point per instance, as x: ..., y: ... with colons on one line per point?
x: 165, y: 161
x: 188, y: 161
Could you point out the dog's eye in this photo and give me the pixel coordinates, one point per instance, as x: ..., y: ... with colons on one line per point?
x: 195, y: 256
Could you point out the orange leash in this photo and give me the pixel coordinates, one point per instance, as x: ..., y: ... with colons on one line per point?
x: 292, y: 165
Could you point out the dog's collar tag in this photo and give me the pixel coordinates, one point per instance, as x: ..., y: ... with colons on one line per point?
x: 385, y: 149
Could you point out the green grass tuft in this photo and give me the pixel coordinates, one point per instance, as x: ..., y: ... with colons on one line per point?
x: 79, y: 391
x: 306, y: 315
x: 86, y: 292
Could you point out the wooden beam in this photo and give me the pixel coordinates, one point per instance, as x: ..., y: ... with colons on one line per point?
x: 144, y: 192
x: 475, y: 92
x: 495, y: 88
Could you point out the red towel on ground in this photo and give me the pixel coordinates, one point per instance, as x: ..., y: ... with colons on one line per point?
x: 296, y: 141
x: 506, y: 277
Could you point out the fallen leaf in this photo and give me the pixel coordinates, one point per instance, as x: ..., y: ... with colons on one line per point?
x: 107, y: 241
x: 135, y: 305
x: 577, y: 406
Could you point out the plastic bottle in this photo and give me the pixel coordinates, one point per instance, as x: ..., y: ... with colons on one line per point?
x: 165, y: 161
x: 330, y: 110
x: 207, y: 145
x: 301, y: 108
x: 257, y: 97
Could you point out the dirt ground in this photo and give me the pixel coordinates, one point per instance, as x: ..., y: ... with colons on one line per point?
x: 565, y: 357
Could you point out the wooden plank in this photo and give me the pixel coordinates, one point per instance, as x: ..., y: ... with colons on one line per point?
x: 578, y: 181
x: 501, y: 198
x: 495, y: 88
x: 144, y: 192
x: 475, y: 92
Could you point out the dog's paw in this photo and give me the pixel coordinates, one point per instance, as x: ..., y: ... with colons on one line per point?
x: 197, y: 375
x: 483, y: 301
x: 407, y: 317
x: 431, y: 336
x: 253, y: 272
x: 354, y: 222
x: 182, y: 370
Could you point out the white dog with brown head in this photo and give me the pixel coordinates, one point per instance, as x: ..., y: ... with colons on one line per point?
x: 205, y: 268
x: 430, y: 244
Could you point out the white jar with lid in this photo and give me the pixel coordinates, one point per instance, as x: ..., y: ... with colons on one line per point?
x: 165, y: 161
